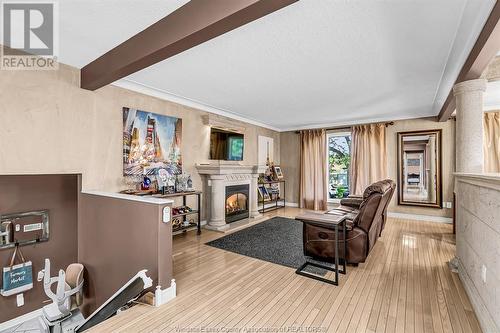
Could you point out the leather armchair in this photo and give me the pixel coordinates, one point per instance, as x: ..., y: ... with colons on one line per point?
x: 364, y: 226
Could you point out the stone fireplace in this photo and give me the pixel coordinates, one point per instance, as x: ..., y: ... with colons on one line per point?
x: 230, y: 193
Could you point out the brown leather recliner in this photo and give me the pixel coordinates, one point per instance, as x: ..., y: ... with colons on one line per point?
x: 364, y: 225
x: 351, y: 204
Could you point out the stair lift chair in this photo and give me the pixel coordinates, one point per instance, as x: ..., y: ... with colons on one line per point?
x: 68, y: 295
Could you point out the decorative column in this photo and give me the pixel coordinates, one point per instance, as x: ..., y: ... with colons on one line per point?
x: 218, y: 200
x: 254, y: 209
x: 469, y: 126
x: 469, y: 144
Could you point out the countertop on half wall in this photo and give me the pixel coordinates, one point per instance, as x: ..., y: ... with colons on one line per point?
x: 146, y: 199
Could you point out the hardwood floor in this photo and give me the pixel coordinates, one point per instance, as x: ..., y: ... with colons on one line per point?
x: 404, y: 286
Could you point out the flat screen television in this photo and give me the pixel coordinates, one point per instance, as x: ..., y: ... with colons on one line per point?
x: 226, y: 145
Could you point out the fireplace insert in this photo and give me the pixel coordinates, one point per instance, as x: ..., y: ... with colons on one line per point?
x: 237, y: 202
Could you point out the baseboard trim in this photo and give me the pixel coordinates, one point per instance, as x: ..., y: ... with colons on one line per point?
x: 483, y: 315
x: 291, y: 204
x: 163, y: 296
x: 428, y: 218
x: 21, y: 319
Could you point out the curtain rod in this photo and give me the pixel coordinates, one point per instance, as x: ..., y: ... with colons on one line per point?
x: 389, y: 123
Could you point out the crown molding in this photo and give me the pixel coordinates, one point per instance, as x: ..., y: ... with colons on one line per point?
x: 165, y: 95
x: 352, y: 123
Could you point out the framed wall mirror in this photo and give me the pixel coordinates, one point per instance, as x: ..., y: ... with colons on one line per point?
x: 419, y: 168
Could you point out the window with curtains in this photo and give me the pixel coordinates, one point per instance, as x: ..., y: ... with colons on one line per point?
x: 339, y: 159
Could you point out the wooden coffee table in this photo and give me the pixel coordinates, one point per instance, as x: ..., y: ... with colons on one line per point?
x: 332, y: 222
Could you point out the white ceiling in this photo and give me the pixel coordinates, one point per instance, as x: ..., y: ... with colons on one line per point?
x: 315, y: 63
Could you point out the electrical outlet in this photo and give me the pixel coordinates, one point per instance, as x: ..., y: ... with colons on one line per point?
x: 20, y: 300
x: 447, y: 204
x: 483, y: 273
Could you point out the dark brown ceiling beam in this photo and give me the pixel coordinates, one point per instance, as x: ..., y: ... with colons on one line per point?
x: 192, y: 24
x: 484, y: 50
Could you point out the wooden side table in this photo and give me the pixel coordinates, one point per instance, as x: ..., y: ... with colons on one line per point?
x: 278, y: 202
x: 331, y: 222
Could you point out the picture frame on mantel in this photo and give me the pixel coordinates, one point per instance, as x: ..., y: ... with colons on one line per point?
x: 278, y: 173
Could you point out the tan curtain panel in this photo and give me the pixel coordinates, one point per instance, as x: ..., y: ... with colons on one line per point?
x: 492, y: 142
x: 313, y: 169
x: 368, y: 156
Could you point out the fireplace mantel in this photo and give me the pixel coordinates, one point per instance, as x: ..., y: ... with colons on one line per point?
x: 217, y: 177
x: 228, y: 169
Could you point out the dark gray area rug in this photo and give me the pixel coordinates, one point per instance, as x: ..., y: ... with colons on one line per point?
x: 277, y: 240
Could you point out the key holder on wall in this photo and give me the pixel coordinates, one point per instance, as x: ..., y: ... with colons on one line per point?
x: 25, y: 228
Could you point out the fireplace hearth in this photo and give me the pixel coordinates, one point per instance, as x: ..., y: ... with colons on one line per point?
x: 237, y: 203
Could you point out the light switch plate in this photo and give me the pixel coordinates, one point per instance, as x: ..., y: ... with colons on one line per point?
x: 166, y: 214
x: 20, y: 300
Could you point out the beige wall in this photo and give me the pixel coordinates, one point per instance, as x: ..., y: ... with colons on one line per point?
x: 49, y: 125
x: 448, y: 161
x: 290, y: 162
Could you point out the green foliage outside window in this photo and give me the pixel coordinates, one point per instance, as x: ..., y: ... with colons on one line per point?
x: 339, y: 159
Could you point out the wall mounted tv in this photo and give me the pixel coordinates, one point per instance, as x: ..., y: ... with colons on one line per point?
x: 226, y: 145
